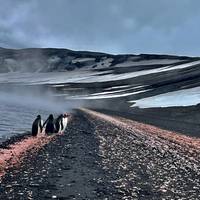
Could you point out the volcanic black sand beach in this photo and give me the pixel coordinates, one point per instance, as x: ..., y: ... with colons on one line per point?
x: 185, y: 120
x: 105, y: 157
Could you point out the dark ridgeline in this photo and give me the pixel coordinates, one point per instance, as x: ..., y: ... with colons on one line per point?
x: 52, y: 59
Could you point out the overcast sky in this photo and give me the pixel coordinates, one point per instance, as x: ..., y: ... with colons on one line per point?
x: 114, y: 26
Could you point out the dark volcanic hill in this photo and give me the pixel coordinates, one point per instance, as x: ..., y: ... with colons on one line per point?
x: 51, y: 59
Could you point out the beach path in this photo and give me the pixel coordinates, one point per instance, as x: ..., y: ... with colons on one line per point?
x: 107, y: 157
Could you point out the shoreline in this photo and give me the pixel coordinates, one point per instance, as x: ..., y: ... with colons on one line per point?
x: 70, y: 160
x: 14, y: 150
x: 14, y: 139
x: 107, y: 157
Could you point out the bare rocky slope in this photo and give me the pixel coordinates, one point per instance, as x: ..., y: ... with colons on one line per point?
x: 51, y: 59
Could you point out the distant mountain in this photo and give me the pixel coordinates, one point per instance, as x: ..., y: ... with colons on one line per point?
x: 51, y: 60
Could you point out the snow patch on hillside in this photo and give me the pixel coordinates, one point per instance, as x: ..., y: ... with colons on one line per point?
x: 186, y: 97
x: 148, y: 62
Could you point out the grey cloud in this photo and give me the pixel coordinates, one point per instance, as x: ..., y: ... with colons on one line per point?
x: 116, y: 26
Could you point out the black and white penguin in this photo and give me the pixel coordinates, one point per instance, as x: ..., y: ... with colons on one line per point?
x: 50, y: 127
x: 37, y: 126
x: 65, y: 121
x: 59, y: 124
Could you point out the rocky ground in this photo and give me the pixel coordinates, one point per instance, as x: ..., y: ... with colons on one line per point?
x: 105, y: 157
x: 185, y: 120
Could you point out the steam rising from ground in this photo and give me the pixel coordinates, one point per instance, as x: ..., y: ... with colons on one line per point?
x: 20, y: 106
x: 30, y: 100
x: 38, y: 99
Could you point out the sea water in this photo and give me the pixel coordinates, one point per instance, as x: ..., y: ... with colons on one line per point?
x: 16, y: 119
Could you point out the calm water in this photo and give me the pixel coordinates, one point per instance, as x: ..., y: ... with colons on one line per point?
x: 17, y: 119
x: 23, y: 96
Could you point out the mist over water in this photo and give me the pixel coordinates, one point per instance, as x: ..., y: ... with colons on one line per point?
x: 19, y: 106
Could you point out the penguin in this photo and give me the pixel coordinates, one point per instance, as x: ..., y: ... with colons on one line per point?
x: 65, y: 121
x: 59, y: 124
x: 50, y: 127
x: 37, y: 126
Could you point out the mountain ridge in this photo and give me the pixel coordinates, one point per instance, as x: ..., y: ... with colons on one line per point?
x: 55, y: 59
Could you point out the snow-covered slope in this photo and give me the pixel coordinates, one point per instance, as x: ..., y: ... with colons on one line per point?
x: 136, y: 80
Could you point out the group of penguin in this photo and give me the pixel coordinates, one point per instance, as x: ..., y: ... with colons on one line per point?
x: 50, y: 126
